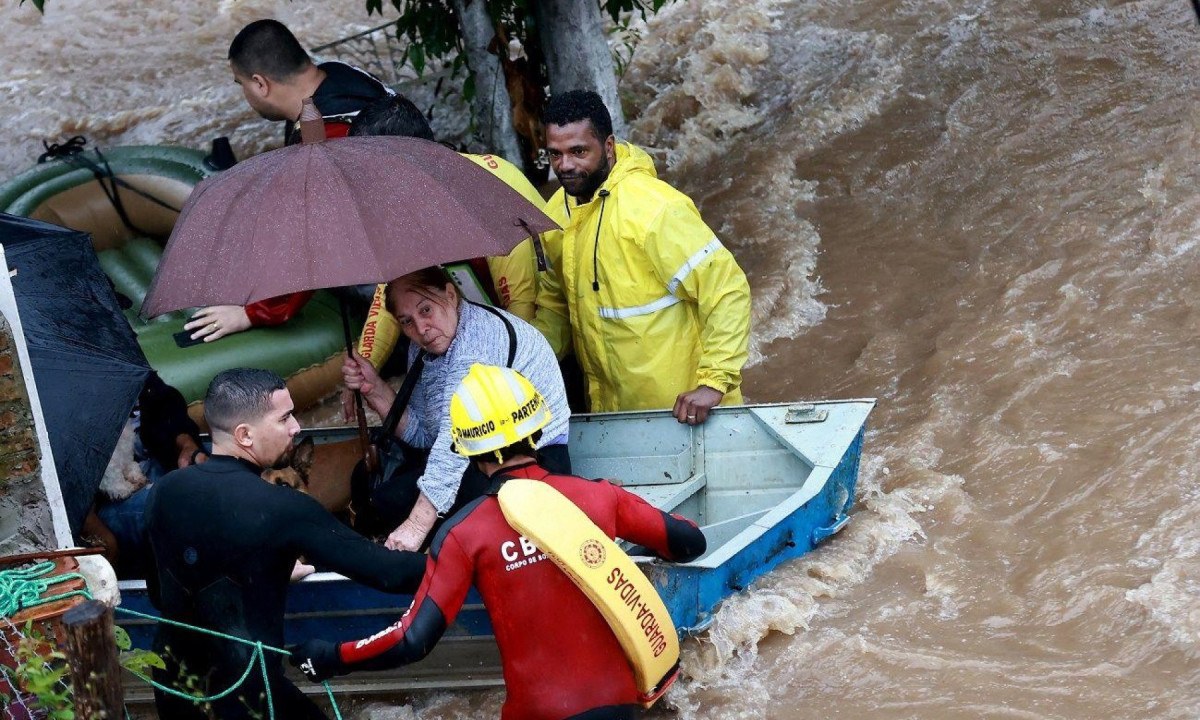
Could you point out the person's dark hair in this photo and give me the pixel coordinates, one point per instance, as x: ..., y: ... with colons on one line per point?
x: 524, y: 446
x: 434, y: 278
x: 576, y: 105
x: 394, y: 115
x: 268, y: 48
x: 239, y: 395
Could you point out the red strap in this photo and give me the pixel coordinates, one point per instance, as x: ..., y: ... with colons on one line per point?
x: 649, y: 698
x: 337, y: 129
x: 334, y: 128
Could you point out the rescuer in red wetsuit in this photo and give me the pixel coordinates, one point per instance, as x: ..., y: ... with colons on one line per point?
x: 561, y: 659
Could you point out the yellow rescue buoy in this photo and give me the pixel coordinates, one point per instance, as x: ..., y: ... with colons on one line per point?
x: 611, y: 580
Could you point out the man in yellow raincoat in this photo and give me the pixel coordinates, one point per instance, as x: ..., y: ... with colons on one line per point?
x: 655, y: 307
x: 513, y: 276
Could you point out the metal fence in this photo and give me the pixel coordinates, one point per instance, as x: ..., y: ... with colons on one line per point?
x: 379, y: 52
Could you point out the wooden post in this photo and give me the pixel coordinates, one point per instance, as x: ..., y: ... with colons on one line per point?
x: 95, y: 667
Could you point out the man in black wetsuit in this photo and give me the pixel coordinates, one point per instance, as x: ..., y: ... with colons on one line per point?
x: 225, y: 542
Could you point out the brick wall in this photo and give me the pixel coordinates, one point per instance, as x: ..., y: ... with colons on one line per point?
x: 22, y: 496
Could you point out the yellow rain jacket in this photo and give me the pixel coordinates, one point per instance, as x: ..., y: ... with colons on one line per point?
x: 514, y: 275
x: 652, y: 302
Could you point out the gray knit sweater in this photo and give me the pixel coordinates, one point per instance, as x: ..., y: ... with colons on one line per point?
x: 481, y: 338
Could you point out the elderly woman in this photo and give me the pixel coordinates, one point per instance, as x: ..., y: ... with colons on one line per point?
x: 451, y: 334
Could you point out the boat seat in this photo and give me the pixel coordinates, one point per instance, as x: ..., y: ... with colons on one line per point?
x: 670, y: 495
x: 308, y: 340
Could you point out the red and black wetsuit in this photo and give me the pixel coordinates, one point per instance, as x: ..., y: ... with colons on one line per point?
x: 341, y: 95
x: 560, y: 657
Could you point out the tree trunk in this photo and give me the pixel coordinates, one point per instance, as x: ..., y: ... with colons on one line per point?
x: 577, y: 54
x: 491, y: 106
x: 95, y: 667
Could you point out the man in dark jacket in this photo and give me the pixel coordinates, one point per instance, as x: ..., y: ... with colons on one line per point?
x: 225, y: 543
x: 169, y: 436
x: 276, y: 74
x: 167, y: 439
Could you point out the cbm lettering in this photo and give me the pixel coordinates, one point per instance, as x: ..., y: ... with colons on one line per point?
x: 508, y: 549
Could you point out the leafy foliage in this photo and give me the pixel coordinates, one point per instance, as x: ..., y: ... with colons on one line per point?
x: 431, y: 27
x: 617, y: 8
x: 137, y: 661
x: 42, y: 670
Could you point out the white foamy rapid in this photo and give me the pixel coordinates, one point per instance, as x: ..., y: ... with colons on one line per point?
x: 998, y: 206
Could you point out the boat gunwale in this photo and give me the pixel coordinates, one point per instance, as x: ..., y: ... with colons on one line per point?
x: 801, y: 494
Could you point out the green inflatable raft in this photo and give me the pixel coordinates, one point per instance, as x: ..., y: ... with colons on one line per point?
x: 152, y: 183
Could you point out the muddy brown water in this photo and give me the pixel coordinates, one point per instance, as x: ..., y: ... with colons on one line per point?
x: 983, y: 214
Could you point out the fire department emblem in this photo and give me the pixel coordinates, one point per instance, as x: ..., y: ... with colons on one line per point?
x: 592, y: 553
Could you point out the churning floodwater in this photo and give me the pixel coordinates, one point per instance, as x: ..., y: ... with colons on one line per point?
x: 983, y: 214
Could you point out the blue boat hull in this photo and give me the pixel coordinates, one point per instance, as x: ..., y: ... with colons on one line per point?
x: 693, y: 593
x: 766, y: 483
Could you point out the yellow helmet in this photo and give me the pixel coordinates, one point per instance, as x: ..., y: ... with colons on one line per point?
x: 494, y: 407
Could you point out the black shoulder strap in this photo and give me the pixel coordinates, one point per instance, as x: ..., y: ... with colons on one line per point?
x: 496, y: 482
x: 512, y: 333
x: 401, y: 402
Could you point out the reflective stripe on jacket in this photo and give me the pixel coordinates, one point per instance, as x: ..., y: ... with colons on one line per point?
x: 649, y: 298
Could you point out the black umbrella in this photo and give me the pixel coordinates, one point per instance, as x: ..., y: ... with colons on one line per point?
x: 86, y: 361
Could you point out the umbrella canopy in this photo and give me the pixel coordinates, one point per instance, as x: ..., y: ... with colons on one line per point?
x: 86, y: 361
x: 342, y: 212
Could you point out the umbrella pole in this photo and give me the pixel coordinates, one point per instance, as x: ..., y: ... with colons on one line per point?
x: 364, y: 440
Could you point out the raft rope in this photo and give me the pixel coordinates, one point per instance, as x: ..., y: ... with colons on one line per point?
x: 257, y: 657
x: 24, y: 587
x: 72, y: 152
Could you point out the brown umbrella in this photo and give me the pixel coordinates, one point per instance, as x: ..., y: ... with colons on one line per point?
x: 333, y: 213
x: 342, y: 212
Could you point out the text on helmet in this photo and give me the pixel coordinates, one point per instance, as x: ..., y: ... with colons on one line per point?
x: 479, y: 430
x: 527, y: 409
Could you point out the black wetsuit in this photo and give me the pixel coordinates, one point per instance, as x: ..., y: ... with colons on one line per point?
x: 224, y: 544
